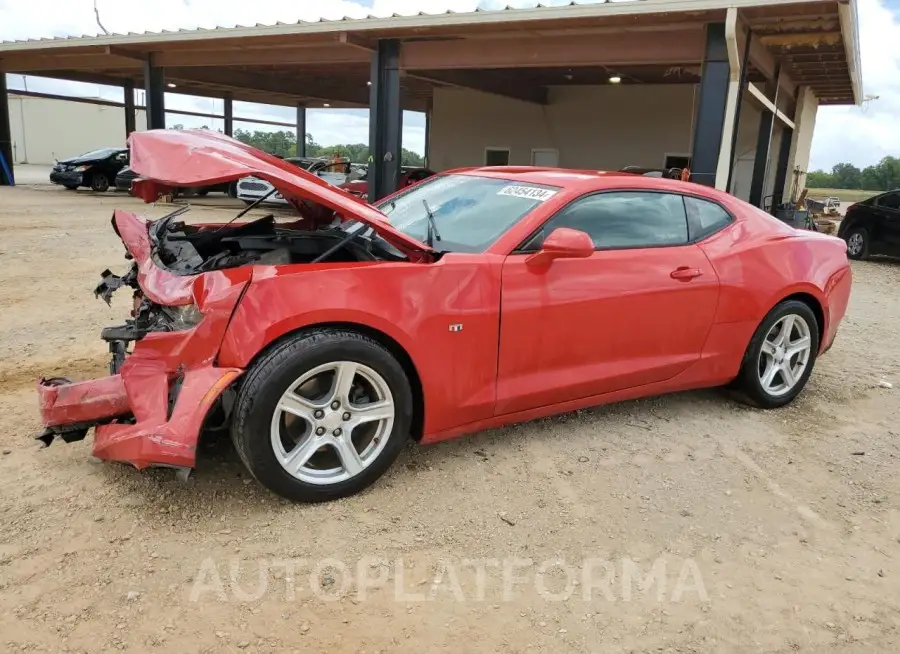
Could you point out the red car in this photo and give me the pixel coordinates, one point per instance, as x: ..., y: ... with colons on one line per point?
x: 474, y: 299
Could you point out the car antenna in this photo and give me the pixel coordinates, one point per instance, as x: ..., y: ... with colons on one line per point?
x: 433, y: 233
x: 251, y: 206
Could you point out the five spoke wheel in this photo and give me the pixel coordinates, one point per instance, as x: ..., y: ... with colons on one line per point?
x: 784, y: 355
x: 332, y: 422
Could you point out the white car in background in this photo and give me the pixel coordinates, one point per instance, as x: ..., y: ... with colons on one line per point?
x: 333, y: 171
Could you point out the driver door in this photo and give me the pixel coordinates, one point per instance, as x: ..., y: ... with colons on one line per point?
x: 635, y: 312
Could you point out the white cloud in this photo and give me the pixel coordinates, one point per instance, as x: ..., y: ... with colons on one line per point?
x: 863, y: 135
x: 858, y: 135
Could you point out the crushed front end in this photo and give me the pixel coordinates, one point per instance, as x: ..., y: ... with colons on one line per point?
x: 186, y: 282
x: 163, y: 376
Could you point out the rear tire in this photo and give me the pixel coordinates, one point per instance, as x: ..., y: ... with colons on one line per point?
x: 780, y: 357
x: 857, y: 243
x: 99, y: 183
x: 322, y: 415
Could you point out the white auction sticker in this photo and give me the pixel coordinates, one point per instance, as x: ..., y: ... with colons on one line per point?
x: 529, y: 192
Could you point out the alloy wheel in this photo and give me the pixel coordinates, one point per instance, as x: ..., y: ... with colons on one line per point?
x: 784, y: 355
x: 855, y: 244
x: 332, y: 422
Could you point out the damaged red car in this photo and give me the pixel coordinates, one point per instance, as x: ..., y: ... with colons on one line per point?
x: 474, y: 299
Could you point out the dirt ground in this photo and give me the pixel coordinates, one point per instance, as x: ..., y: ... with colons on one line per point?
x: 685, y: 523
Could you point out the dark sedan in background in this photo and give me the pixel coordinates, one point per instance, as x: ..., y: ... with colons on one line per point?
x: 95, y: 170
x: 872, y: 226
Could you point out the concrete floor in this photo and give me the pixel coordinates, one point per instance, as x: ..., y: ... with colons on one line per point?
x: 30, y: 174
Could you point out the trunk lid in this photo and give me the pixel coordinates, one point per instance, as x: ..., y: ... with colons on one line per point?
x: 166, y: 159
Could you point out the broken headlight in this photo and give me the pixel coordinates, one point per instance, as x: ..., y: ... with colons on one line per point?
x: 183, y: 317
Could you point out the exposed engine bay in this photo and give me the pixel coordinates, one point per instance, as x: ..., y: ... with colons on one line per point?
x: 187, y: 250
x: 184, y: 249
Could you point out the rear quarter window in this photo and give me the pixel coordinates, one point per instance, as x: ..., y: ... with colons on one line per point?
x: 704, y: 217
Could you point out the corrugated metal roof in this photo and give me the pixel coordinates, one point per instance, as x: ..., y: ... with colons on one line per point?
x: 225, y: 29
x: 538, y: 11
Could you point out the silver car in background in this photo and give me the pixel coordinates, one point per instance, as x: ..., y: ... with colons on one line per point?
x: 333, y: 171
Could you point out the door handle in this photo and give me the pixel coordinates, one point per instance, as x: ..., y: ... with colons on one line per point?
x: 685, y: 274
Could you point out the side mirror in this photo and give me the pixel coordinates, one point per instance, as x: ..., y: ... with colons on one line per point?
x: 564, y: 243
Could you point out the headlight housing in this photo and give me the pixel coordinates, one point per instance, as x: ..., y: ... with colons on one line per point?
x: 81, y: 169
x: 186, y: 316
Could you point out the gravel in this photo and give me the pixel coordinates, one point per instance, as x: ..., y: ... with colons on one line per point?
x: 685, y: 523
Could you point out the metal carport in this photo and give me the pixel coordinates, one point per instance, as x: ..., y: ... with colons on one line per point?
x: 785, y: 56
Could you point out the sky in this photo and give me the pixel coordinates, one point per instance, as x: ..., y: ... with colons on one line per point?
x: 859, y: 135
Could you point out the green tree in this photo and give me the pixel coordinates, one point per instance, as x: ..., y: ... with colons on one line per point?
x: 883, y: 176
x: 846, y: 175
x: 281, y: 143
x: 284, y: 144
x: 410, y: 158
x: 820, y: 179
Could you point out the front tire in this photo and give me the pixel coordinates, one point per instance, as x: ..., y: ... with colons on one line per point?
x: 99, y: 183
x: 780, y: 357
x: 322, y: 415
x: 857, y: 243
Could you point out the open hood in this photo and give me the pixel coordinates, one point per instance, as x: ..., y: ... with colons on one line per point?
x: 167, y: 159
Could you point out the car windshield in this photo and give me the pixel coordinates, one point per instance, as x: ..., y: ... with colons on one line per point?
x: 468, y: 213
x: 99, y: 154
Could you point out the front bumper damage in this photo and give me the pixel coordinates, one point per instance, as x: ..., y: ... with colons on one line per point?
x: 144, y: 415
x: 164, y: 380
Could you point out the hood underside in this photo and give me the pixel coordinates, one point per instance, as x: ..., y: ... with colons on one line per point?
x: 167, y: 159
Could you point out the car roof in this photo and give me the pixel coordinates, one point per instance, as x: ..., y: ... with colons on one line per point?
x: 581, y: 181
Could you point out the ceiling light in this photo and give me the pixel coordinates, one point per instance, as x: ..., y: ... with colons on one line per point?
x: 171, y: 85
x: 326, y: 105
x: 615, y: 79
x: 369, y: 83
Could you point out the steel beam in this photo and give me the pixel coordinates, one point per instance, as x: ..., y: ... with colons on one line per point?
x: 154, y: 79
x: 428, y: 111
x: 784, y: 156
x: 622, y: 49
x: 385, y: 120
x: 301, y: 129
x: 228, y: 110
x: 709, y: 121
x: 764, y: 149
x: 5, y: 135
x: 130, y: 118
x: 745, y: 71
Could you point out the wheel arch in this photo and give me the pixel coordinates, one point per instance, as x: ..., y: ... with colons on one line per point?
x: 386, y: 340
x: 813, y: 303
x: 850, y: 223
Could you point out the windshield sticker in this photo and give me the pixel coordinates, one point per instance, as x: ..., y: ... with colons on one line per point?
x: 528, y: 192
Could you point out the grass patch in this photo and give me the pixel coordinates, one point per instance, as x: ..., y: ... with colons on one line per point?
x: 845, y: 194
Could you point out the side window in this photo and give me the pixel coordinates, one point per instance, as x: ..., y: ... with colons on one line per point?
x: 889, y: 201
x: 623, y: 219
x: 704, y: 217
